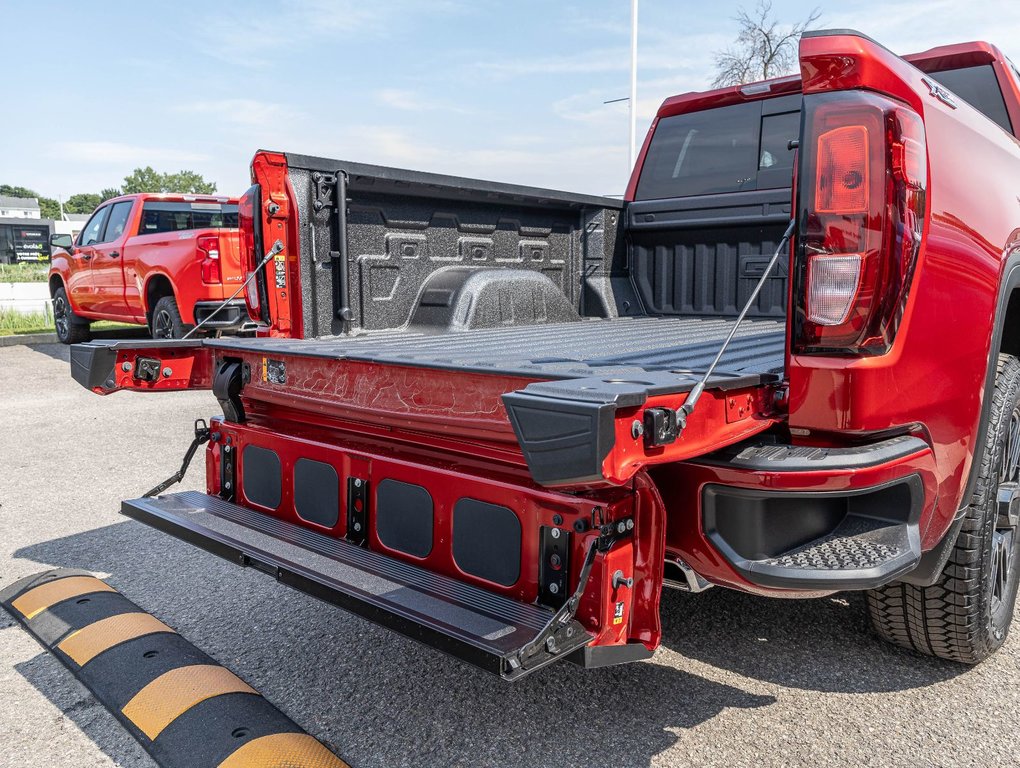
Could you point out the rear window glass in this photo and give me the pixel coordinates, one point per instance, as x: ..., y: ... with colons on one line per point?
x: 726, y: 149
x: 979, y: 87
x: 178, y: 217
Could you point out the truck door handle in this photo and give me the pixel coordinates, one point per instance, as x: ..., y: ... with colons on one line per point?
x: 86, y: 256
x: 114, y: 254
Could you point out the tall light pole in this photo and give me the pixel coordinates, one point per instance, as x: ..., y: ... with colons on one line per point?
x: 633, y: 81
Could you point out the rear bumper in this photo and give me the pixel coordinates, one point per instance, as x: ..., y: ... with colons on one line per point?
x: 819, y: 541
x: 776, y: 519
x: 231, y: 316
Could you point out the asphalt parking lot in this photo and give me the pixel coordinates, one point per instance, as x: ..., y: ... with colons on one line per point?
x: 739, y: 680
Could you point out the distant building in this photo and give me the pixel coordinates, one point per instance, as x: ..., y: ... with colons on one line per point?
x: 71, y: 225
x: 19, y: 208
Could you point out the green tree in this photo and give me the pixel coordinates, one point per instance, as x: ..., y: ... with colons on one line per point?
x: 149, y: 180
x: 143, y: 180
x: 109, y: 192
x: 48, y: 207
x: 83, y: 202
x: 10, y: 191
x: 189, y: 181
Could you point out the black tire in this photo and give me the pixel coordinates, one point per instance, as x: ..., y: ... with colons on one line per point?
x: 166, y: 322
x: 70, y: 328
x: 966, y: 614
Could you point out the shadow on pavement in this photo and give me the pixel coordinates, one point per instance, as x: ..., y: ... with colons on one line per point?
x: 60, y: 351
x: 377, y: 698
x: 78, y: 705
x: 56, y: 351
x: 824, y: 644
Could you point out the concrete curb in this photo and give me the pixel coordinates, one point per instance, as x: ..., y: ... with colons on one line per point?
x: 28, y: 339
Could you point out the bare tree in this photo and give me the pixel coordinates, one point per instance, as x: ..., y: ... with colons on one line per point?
x: 764, y: 48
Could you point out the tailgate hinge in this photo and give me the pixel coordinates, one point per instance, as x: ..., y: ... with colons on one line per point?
x: 562, y: 628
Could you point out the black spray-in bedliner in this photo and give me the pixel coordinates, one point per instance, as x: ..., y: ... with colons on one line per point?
x: 557, y: 351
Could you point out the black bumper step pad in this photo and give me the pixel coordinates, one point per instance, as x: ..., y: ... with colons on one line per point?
x: 860, y: 554
x: 472, y: 624
x: 186, y: 710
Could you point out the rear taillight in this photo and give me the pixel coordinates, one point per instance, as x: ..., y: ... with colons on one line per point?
x: 249, y: 224
x: 863, y: 183
x: 208, y: 252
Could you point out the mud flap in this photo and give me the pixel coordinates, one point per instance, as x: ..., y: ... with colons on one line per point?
x: 182, y: 707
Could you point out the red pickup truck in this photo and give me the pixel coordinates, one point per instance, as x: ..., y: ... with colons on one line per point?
x: 787, y: 363
x: 165, y: 261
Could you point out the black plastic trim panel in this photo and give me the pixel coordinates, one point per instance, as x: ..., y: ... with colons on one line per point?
x: 92, y: 365
x: 233, y: 315
x: 443, y: 186
x: 595, y: 657
x: 873, y: 543
x: 567, y: 428
x: 779, y: 457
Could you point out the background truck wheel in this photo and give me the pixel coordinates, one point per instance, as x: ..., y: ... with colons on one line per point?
x: 70, y: 328
x: 966, y: 614
x: 166, y: 320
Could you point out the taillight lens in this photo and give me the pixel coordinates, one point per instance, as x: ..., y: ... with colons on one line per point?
x: 841, y: 182
x: 832, y: 287
x: 249, y: 225
x: 209, y: 255
x: 863, y: 180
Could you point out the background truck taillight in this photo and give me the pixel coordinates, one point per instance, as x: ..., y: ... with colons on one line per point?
x: 208, y: 253
x: 862, y: 200
x: 249, y: 224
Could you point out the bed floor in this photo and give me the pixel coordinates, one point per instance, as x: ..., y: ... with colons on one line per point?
x: 565, y: 350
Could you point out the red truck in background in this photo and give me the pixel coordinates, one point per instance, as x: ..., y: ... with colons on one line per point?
x: 165, y: 261
x: 786, y: 363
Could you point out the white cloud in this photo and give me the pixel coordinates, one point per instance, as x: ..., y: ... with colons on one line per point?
x: 414, y: 101
x: 121, y: 154
x: 254, y: 39
x: 246, y: 113
x: 596, y: 167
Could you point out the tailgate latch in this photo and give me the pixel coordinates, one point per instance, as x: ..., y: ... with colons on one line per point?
x: 660, y: 427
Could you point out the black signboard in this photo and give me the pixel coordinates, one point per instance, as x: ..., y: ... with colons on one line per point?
x: 31, y: 243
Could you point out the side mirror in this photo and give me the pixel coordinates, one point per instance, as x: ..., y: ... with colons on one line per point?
x: 62, y: 241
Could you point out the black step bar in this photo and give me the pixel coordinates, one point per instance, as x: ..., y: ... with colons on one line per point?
x: 471, y: 624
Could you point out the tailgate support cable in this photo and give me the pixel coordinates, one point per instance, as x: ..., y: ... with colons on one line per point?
x: 684, y: 412
x: 277, y: 247
x: 201, y: 436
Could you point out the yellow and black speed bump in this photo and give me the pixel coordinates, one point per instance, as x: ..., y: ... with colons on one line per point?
x: 183, y: 707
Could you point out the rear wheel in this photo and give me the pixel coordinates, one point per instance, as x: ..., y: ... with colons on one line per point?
x: 966, y: 614
x: 166, y: 320
x: 70, y: 328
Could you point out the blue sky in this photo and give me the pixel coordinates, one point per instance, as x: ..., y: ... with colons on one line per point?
x: 510, y: 90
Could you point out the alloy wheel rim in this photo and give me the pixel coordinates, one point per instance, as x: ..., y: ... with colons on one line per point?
x: 164, y: 325
x: 1003, y: 550
x: 60, y: 316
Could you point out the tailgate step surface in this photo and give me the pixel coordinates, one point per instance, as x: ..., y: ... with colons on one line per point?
x: 481, y: 627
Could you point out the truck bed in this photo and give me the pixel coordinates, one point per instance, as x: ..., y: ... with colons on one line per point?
x: 595, y: 347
